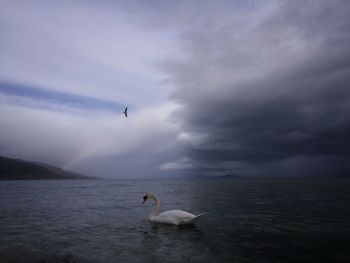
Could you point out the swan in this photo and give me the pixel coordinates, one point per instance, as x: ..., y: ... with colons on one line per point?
x: 173, y: 217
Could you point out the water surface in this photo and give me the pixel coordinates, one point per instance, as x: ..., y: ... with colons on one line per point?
x: 247, y: 220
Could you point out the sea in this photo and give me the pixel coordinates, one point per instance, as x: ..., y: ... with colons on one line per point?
x: 246, y: 220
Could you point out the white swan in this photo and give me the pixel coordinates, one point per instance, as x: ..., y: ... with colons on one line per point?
x: 174, y: 217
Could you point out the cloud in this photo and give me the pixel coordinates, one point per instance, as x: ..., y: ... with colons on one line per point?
x: 99, y: 143
x: 85, y: 49
x: 183, y: 163
x: 267, y: 90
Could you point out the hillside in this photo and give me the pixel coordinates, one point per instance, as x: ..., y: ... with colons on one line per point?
x: 16, y: 169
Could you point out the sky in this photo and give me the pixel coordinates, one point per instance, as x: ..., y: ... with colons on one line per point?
x: 213, y: 88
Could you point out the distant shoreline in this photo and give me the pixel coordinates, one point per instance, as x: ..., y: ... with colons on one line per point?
x: 17, y: 169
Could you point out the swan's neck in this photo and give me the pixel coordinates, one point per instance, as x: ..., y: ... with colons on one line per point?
x: 156, y: 209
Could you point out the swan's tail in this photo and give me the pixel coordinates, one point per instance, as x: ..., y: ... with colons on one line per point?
x: 199, y: 215
x: 192, y: 220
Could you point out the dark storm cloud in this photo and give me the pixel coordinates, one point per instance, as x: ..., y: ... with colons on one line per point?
x: 268, y: 92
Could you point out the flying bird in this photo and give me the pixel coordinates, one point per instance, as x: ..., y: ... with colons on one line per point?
x: 126, y: 112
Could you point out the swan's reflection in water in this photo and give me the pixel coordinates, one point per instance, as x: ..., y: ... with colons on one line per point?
x: 171, y: 242
x: 160, y: 231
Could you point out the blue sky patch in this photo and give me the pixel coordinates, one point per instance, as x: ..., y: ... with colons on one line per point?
x: 60, y: 98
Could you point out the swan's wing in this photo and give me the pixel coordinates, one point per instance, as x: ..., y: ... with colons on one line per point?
x: 174, y: 217
x: 178, y: 214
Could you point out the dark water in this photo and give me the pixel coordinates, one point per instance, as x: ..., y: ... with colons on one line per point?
x: 247, y: 220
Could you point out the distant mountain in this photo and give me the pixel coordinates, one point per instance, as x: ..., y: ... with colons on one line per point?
x: 16, y: 169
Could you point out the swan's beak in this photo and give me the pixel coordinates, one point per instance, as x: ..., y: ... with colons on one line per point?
x: 144, y: 199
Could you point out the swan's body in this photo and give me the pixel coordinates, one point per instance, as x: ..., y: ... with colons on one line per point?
x: 174, y: 217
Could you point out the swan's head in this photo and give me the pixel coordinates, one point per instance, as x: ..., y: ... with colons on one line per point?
x: 147, y: 196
